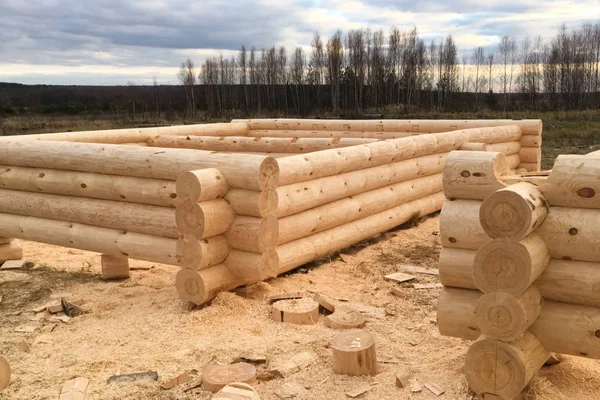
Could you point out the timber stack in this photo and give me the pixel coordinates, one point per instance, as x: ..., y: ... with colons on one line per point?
x: 520, y: 264
x: 235, y: 203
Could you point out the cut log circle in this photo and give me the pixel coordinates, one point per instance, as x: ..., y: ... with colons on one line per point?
x: 296, y: 311
x: 354, y: 353
x: 237, y: 391
x: 345, y: 317
x: 513, y: 212
x: 217, y: 376
x: 205, y: 219
x: 4, y: 373
x: 190, y: 286
x: 201, y: 185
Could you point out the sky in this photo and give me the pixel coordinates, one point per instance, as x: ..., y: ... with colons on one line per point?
x: 113, y: 42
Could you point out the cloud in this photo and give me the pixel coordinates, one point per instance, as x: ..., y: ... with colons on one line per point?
x: 80, y: 42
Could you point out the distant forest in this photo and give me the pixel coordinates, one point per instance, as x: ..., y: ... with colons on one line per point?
x: 354, y: 74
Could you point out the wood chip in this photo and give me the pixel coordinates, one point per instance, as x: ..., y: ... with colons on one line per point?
x: 304, y: 359
x: 257, y: 356
x: 26, y: 328
x: 325, y: 302
x: 287, y: 296
x: 553, y: 359
x: 360, y: 390
x: 24, y: 347
x: 415, y: 269
x: 61, y: 318
x: 13, y: 264
x: 288, y: 391
x: 177, y: 381
x: 388, y: 360
x: 375, y: 312
x: 55, y: 309
x: 427, y: 286
x: 137, y: 376
x: 141, y: 267
x: 435, y: 389
x: 72, y: 309
x: 285, y: 368
x: 265, y: 376
x: 42, y: 339
x: 398, y: 277
x: 403, y: 377
x: 415, y: 386
x: 193, y: 384
x: 74, y: 389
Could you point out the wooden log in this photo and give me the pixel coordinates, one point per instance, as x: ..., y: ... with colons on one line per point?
x: 474, y: 175
x: 456, y: 267
x: 530, y: 154
x: 5, y: 240
x: 506, y: 148
x: 506, y: 317
x: 303, y: 311
x: 217, y: 376
x: 198, y: 287
x: 10, y: 251
x: 91, y: 238
x: 572, y: 233
x: 531, y: 141
x: 320, y: 134
x: 205, y: 219
x: 345, y: 317
x: 255, y: 144
x: 252, y: 203
x: 5, y: 373
x: 197, y: 253
x: 241, y: 171
x: 456, y: 313
x: 304, y: 167
x: 253, y: 234
x: 118, y: 136
x: 506, y: 265
x: 460, y: 226
x: 301, y: 251
x: 82, y: 184
x: 503, y: 369
x: 356, y: 207
x: 236, y: 391
x: 354, y: 353
x: 114, y: 267
x: 202, y: 185
x: 530, y: 167
x: 139, y: 218
x: 471, y: 146
x: 513, y: 212
x: 253, y: 267
x: 295, y: 198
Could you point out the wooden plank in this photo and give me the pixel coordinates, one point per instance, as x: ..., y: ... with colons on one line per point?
x: 398, y: 277
x: 415, y: 269
x: 427, y: 286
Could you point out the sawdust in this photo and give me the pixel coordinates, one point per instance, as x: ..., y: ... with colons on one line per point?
x: 139, y: 325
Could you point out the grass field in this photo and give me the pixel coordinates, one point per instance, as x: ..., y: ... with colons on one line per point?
x: 565, y: 132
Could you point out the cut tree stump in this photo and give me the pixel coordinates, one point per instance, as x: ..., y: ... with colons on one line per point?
x: 354, y: 353
x: 4, y: 373
x: 217, y: 376
x: 345, y: 317
x: 303, y: 311
x: 325, y: 302
x: 237, y: 391
x: 114, y: 267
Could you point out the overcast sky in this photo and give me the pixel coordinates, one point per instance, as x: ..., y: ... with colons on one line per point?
x: 111, y: 42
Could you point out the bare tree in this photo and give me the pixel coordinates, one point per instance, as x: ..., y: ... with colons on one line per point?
x: 478, y: 60
x: 335, y: 61
x: 187, y: 78
x: 507, y: 51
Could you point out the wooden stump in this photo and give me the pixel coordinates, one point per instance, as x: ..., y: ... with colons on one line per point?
x: 296, y: 311
x: 237, y: 391
x: 4, y: 373
x: 217, y: 376
x: 354, y: 353
x: 114, y: 267
x: 504, y: 369
x: 345, y: 317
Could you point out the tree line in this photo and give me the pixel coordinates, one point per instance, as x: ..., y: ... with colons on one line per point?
x: 365, y: 70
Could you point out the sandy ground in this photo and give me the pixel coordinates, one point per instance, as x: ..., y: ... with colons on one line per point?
x: 140, y: 325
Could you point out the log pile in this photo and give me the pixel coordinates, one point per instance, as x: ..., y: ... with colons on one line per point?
x: 234, y: 204
x: 520, y: 264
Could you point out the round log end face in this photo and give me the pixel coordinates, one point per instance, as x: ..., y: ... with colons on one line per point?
x: 352, y: 340
x: 190, y: 287
x: 217, y: 376
x: 268, y: 233
x: 505, y: 214
x: 502, y: 265
x: 501, y: 316
x: 492, y: 366
x: 189, y: 252
x: 345, y: 317
x: 268, y: 202
x: 268, y: 174
x: 190, y: 218
x: 270, y: 264
x: 188, y: 186
x: 5, y: 373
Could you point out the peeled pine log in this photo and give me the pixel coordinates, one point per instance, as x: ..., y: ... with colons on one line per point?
x: 513, y: 212
x: 253, y: 267
x: 356, y: 207
x: 304, y: 167
x: 5, y: 240
x: 298, y: 197
x: 10, y: 251
x: 530, y: 154
x: 460, y: 226
x: 83, y: 184
x: 197, y: 253
x: 530, y: 167
x: 139, y: 218
x: 506, y: 317
x: 317, y: 134
x: 198, y: 287
x: 91, y: 238
x: 134, y: 135
x: 259, y: 144
x: 506, y: 265
x: 354, y: 353
x: 253, y: 234
x: 301, y: 251
x: 251, y: 203
x: 5, y: 373
x: 217, y: 376
x: 456, y: 267
x: 302, y: 311
x: 202, y: 185
x: 503, y: 369
x: 456, y: 313
x: 572, y: 233
x: 506, y: 148
x: 241, y: 171
x: 205, y: 219
x: 531, y: 141
x: 114, y: 267
x: 474, y: 175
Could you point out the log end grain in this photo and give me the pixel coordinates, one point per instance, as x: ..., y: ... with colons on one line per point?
x: 217, y: 376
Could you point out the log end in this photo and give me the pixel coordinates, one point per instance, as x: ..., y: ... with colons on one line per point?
x: 189, y: 218
x: 268, y: 174
x: 191, y: 287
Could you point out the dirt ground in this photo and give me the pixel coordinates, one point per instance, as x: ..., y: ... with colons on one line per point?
x: 140, y: 324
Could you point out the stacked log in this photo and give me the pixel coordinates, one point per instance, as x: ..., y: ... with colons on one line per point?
x: 519, y: 267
